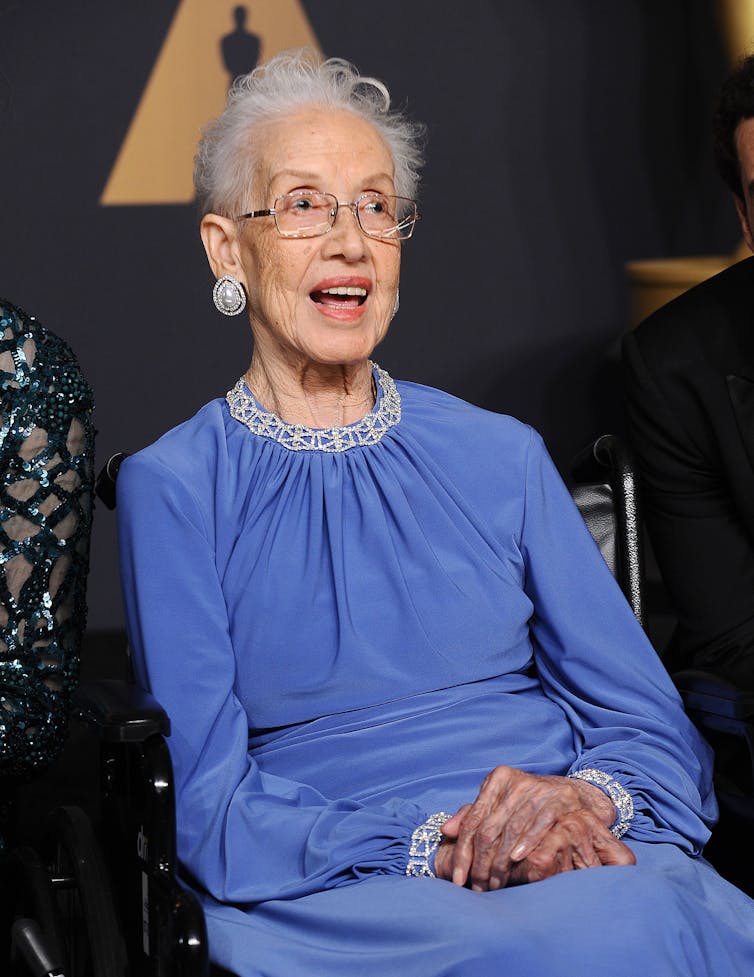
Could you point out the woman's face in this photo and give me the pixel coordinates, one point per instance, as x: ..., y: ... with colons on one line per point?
x: 292, y: 316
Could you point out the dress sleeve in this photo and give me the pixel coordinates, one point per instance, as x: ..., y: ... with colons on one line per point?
x: 704, y: 552
x: 46, y: 485
x: 243, y: 835
x: 594, y: 659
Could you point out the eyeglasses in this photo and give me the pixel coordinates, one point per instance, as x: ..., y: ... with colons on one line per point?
x: 309, y: 213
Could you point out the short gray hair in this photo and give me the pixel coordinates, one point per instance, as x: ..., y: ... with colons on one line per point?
x: 228, y: 152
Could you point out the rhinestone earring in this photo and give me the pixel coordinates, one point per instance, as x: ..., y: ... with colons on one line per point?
x: 229, y: 296
x: 397, y: 304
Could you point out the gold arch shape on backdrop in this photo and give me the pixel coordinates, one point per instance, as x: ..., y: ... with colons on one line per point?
x: 737, y: 24
x: 187, y: 88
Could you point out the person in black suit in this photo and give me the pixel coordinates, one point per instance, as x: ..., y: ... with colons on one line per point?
x: 689, y: 386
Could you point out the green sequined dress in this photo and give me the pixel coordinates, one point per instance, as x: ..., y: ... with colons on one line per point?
x: 46, y: 499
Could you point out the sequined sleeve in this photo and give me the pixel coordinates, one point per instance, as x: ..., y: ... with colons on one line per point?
x: 46, y: 480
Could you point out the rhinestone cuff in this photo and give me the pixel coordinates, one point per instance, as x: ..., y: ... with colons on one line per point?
x: 624, y: 805
x: 424, y: 843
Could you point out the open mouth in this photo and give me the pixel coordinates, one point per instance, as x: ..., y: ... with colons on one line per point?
x: 341, y: 296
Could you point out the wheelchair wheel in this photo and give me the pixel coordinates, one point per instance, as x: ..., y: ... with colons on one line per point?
x: 26, y: 888
x: 94, y: 943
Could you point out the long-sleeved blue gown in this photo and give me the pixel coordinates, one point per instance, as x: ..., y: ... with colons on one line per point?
x: 350, y: 628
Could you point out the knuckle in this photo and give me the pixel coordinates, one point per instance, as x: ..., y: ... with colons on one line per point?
x: 471, y: 822
x: 488, y: 832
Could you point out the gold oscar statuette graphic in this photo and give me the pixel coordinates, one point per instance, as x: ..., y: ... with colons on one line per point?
x: 654, y: 282
x: 207, y: 44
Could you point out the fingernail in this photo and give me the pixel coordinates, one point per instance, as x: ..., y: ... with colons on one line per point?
x: 518, y: 853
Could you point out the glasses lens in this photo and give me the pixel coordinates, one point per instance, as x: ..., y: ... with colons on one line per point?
x: 382, y: 215
x: 305, y: 213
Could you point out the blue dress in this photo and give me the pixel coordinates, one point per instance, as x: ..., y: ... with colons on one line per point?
x: 350, y: 628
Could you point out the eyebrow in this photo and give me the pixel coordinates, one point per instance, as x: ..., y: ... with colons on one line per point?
x: 315, y: 177
x: 299, y: 174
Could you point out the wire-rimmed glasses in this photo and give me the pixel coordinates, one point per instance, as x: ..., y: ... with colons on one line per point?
x: 309, y: 213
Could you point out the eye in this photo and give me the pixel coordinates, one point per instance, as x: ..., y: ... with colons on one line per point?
x: 377, y: 212
x: 301, y: 204
x: 376, y: 206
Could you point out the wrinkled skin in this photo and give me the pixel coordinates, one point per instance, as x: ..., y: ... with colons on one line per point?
x: 310, y: 363
x: 524, y: 828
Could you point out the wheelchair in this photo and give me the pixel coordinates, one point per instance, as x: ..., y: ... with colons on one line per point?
x: 96, y: 895
x: 153, y: 924
x: 65, y: 917
x: 605, y: 488
x: 108, y: 904
x: 156, y: 927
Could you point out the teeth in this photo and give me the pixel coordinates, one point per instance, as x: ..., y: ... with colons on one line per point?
x: 345, y: 290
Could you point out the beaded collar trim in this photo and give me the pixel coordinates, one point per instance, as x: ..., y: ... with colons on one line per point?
x: 297, y: 437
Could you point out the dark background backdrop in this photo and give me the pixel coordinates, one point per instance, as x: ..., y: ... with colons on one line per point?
x: 565, y: 138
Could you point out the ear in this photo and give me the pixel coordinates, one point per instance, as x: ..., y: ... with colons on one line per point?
x: 743, y: 218
x: 220, y: 239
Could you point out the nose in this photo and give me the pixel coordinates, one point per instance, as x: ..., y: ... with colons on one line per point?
x: 352, y: 206
x: 346, y: 238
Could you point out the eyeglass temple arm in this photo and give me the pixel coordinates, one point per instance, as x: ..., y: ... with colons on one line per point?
x: 410, y: 219
x: 256, y: 213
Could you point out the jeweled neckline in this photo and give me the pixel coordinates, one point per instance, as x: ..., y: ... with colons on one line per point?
x: 297, y: 437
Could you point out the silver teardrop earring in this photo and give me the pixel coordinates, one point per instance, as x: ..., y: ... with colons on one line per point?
x: 229, y: 296
x: 397, y: 304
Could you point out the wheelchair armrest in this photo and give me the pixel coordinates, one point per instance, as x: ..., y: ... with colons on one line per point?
x: 712, y: 695
x: 120, y: 711
x: 163, y: 921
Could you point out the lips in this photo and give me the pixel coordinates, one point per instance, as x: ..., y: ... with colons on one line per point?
x: 343, y: 294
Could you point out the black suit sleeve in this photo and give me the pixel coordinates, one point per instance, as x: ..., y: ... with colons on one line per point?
x: 704, y: 552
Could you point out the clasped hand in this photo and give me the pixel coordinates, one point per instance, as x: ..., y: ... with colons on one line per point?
x: 524, y: 828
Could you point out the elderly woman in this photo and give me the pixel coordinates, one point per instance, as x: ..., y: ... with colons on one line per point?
x: 410, y: 705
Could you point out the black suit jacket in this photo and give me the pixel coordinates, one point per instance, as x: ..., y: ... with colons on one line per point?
x: 689, y: 385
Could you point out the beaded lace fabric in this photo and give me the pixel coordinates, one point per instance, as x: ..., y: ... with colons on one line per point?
x: 46, y: 482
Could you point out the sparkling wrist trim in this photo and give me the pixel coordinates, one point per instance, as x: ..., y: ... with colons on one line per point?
x: 298, y: 437
x: 620, y: 797
x: 425, y: 841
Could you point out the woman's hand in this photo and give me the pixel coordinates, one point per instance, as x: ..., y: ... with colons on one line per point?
x: 523, y: 828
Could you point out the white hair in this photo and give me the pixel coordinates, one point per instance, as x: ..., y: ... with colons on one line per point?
x: 229, y: 152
